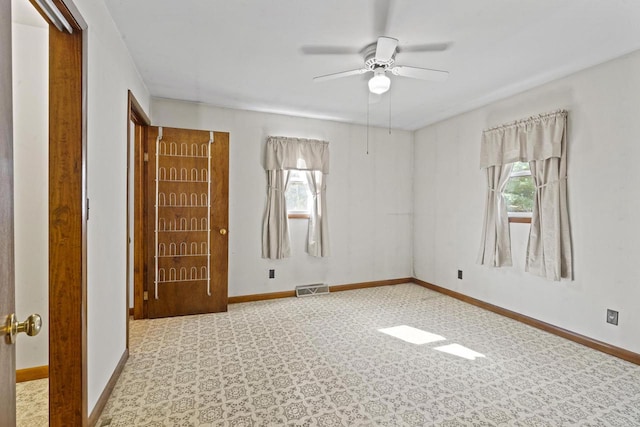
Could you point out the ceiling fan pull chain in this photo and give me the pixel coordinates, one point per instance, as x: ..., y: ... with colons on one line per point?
x: 368, y: 128
x: 389, y: 113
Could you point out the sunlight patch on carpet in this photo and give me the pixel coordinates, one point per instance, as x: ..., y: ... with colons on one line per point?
x: 412, y: 335
x: 460, y: 351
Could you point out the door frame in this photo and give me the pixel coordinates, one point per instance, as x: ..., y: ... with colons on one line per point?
x: 68, y: 214
x: 137, y: 115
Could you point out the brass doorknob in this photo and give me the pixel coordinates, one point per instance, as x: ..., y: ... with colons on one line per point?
x: 31, y: 326
x: 223, y: 231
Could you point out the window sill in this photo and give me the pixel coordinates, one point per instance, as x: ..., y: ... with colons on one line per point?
x: 298, y: 216
x: 520, y: 219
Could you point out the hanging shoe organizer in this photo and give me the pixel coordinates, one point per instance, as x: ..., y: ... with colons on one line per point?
x: 182, y: 213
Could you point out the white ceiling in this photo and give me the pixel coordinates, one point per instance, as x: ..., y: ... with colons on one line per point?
x: 247, y: 54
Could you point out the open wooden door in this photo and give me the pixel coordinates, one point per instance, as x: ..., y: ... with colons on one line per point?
x: 188, y: 210
x: 67, y: 217
x: 7, y: 290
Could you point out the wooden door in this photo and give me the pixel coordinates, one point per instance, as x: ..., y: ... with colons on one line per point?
x: 67, y: 221
x: 7, y: 292
x: 188, y: 204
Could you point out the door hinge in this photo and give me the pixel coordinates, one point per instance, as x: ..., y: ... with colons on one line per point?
x: 87, y: 209
x: 146, y: 157
x: 145, y: 296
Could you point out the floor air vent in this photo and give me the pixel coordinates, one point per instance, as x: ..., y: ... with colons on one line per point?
x: 315, y: 289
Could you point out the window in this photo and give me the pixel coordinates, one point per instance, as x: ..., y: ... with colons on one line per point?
x: 519, y: 193
x: 298, y: 196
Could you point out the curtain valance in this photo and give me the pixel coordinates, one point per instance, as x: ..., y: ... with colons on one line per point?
x: 536, y: 138
x: 297, y: 153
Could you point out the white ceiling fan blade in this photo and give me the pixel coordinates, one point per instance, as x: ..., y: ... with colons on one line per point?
x: 329, y: 50
x: 385, y: 49
x: 339, y: 75
x: 381, y: 12
x: 427, y: 47
x: 420, y: 73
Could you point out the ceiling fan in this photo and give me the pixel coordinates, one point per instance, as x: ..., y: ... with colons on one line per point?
x: 379, y: 58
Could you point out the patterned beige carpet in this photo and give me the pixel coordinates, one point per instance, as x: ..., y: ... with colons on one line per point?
x: 323, y: 361
x: 32, y: 403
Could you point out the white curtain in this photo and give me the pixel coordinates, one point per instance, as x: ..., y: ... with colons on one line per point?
x: 495, y: 249
x: 318, y: 237
x: 283, y: 154
x: 541, y: 141
x: 549, y: 247
x: 275, y: 230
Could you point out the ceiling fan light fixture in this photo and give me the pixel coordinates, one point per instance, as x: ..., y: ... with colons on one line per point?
x: 379, y: 83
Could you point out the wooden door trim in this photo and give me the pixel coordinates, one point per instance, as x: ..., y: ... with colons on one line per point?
x: 68, y: 403
x: 137, y: 115
x: 136, y: 112
x: 106, y: 393
x: 67, y: 232
x: 30, y: 374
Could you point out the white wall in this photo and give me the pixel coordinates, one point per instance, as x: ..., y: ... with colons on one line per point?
x: 369, y: 198
x: 31, y: 166
x: 111, y: 72
x: 603, y: 152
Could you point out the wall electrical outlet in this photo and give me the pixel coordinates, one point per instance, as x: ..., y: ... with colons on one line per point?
x: 272, y: 274
x: 612, y: 317
x: 460, y: 274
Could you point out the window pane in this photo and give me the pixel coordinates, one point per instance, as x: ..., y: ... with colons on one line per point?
x: 297, y: 194
x: 519, y: 194
x: 520, y: 166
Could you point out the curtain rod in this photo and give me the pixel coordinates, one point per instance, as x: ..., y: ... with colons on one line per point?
x: 296, y: 139
x: 531, y: 119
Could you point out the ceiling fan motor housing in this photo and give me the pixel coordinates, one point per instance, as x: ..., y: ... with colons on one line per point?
x: 370, y: 62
